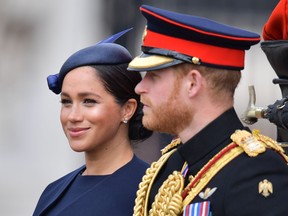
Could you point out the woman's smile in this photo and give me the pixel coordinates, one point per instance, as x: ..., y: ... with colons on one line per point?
x: 77, y: 132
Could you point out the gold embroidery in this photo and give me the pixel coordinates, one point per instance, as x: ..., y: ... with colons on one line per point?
x: 248, y: 142
x: 265, y: 188
x: 174, y: 143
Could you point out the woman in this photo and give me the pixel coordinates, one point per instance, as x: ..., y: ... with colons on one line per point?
x: 100, y: 116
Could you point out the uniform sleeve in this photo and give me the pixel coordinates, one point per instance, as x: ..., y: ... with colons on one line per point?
x: 258, y: 186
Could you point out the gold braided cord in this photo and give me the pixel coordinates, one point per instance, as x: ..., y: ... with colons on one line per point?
x: 168, y: 201
x: 142, y: 191
x: 141, y: 201
x: 270, y: 143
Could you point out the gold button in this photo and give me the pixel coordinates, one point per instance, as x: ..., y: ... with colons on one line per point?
x: 195, y: 60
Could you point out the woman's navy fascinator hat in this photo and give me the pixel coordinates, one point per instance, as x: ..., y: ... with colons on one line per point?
x: 106, y: 52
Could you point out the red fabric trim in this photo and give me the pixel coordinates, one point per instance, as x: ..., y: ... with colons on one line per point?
x: 206, y: 53
x: 195, y: 29
x: 207, y: 167
x: 276, y: 26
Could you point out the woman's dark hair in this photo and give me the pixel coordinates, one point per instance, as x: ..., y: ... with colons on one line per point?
x: 121, y: 84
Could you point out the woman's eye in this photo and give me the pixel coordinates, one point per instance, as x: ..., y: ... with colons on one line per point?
x: 65, y: 101
x: 89, y: 101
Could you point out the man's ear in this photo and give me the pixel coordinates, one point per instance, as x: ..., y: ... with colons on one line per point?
x: 194, y: 81
x: 129, y: 109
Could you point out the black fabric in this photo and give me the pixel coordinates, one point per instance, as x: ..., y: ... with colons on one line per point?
x: 237, y: 192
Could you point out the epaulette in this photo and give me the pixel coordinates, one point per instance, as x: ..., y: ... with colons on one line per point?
x: 255, y: 143
x: 173, y: 144
x: 250, y: 144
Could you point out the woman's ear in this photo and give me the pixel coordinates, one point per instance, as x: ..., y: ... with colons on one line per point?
x: 129, y: 109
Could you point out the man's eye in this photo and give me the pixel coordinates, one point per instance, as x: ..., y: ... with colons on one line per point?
x: 151, y: 75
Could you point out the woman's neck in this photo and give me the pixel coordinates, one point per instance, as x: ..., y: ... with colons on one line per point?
x: 109, y: 159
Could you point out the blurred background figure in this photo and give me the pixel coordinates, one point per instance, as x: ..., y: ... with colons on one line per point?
x: 275, y: 47
x: 35, y: 39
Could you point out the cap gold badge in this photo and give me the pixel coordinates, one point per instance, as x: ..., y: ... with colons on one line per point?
x: 144, y: 34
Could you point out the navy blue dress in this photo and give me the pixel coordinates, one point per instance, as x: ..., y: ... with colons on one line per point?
x: 75, y: 194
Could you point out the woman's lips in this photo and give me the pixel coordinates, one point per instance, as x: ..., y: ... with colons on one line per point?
x: 76, y: 132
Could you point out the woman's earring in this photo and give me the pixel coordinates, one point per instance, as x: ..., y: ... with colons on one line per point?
x: 125, y: 121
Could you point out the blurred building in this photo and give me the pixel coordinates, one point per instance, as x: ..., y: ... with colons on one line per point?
x: 36, y: 37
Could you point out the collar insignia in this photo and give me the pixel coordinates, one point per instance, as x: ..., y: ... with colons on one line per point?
x: 265, y: 188
x: 174, y: 143
x: 207, y: 193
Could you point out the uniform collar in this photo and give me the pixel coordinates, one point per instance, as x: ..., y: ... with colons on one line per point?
x: 211, y: 139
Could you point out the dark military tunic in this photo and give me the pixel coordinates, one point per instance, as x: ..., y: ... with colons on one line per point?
x: 236, y: 186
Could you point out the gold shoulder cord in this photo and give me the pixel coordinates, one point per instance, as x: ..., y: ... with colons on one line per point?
x: 270, y: 143
x: 141, y: 202
x: 171, y: 197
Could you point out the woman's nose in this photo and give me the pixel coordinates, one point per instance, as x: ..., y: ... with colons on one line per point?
x: 75, y: 113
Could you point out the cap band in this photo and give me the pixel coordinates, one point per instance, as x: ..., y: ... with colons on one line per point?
x: 205, y: 52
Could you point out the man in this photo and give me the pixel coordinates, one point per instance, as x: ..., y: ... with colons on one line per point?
x: 219, y: 168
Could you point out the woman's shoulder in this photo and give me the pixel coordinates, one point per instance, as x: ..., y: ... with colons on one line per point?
x: 137, y: 163
x: 65, y: 178
x: 134, y: 169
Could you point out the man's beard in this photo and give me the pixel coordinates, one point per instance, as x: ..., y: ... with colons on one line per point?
x: 170, y: 117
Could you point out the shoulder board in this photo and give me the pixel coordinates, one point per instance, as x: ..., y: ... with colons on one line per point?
x: 250, y: 144
x: 255, y: 143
